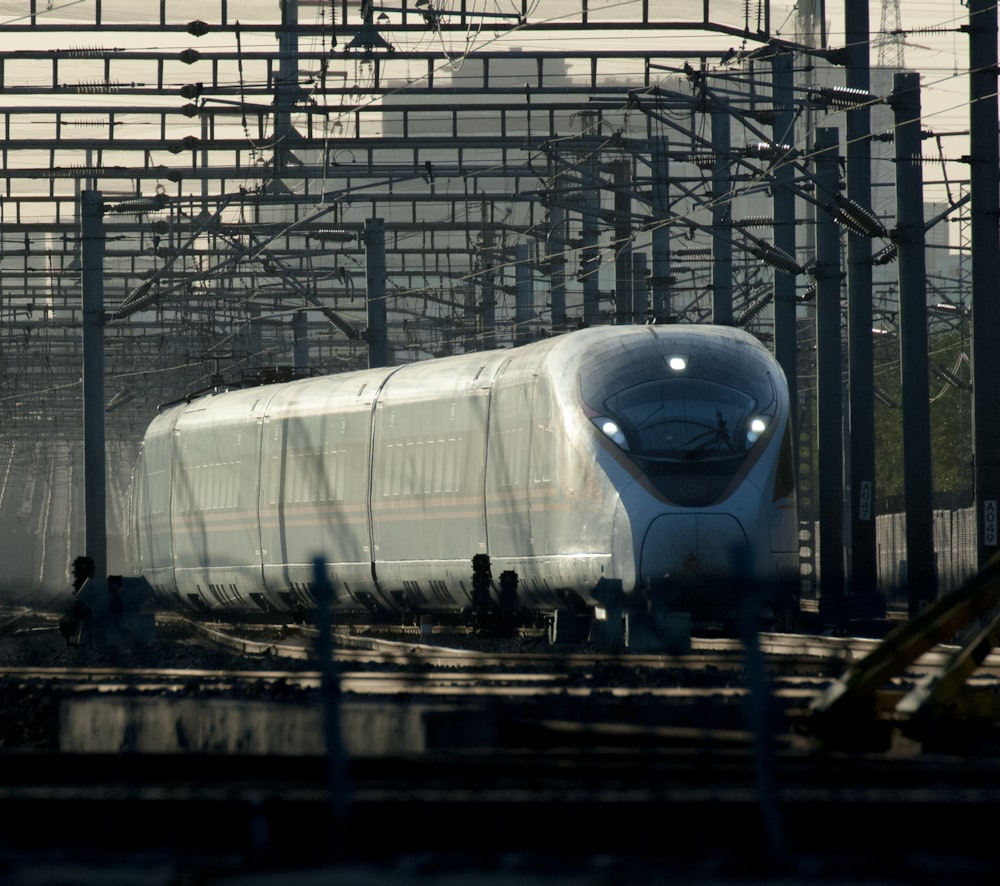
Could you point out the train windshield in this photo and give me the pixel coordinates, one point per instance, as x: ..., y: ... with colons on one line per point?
x: 687, y: 419
x: 692, y: 407
x: 689, y: 434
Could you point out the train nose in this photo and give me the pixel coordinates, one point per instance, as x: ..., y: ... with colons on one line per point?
x: 695, y: 557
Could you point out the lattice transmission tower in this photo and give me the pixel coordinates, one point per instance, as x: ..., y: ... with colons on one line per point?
x: 890, y: 39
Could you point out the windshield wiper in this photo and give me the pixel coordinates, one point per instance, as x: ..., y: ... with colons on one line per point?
x: 718, y: 439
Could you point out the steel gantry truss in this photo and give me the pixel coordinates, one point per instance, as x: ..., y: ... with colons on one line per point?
x: 242, y: 146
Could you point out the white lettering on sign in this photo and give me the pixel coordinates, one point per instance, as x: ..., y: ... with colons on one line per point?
x: 990, y: 523
x: 865, y: 500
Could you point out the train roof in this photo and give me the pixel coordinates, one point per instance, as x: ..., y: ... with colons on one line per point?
x: 599, y: 351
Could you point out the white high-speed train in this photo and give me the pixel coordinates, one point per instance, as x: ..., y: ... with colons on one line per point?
x: 659, y: 457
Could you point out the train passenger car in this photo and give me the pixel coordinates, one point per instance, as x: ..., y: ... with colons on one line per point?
x: 657, y: 456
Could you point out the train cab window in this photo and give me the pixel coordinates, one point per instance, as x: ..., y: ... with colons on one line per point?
x: 690, y: 436
x: 686, y: 419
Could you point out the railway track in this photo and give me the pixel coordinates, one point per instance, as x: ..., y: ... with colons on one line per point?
x: 787, y: 655
x: 644, y: 695
x: 649, y: 761
x: 389, y: 662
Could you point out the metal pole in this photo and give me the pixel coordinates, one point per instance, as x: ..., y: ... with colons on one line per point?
x: 92, y: 283
x: 300, y: 333
x: 338, y: 775
x: 469, y: 323
x: 829, y: 366
x: 557, y: 266
x: 640, y: 288
x: 783, y: 203
x: 254, y: 335
x: 623, y: 246
x: 660, y: 237
x: 524, y: 308
x: 917, y: 465
x: 589, y: 254
x: 489, y: 302
x: 286, y: 88
x: 722, y: 222
x: 378, y: 346
x: 985, y: 181
x: 864, y: 561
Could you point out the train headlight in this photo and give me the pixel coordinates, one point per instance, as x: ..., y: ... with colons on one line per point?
x: 677, y: 363
x: 757, y: 427
x: 612, y: 431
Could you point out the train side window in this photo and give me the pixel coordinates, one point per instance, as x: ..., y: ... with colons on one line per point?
x: 784, y: 479
x: 542, y: 453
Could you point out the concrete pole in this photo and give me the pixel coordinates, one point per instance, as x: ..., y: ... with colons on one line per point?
x: 921, y: 578
x: 94, y: 467
x: 864, y: 560
x: 829, y: 366
x: 375, y: 273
